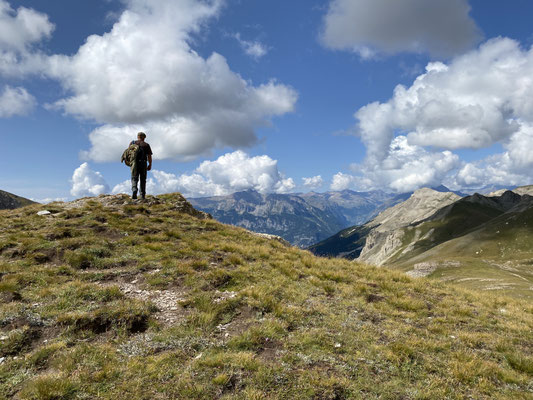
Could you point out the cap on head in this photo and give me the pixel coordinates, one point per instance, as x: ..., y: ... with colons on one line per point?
x: 141, y: 135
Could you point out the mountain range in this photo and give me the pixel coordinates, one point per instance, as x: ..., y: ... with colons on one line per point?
x: 301, y: 219
x: 480, y: 241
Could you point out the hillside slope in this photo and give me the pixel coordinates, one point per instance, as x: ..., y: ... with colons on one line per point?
x: 102, y: 298
x: 9, y: 201
x: 496, y: 255
x: 377, y: 240
x: 452, y: 221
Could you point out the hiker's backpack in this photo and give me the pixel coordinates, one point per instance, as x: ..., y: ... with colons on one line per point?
x: 131, y: 154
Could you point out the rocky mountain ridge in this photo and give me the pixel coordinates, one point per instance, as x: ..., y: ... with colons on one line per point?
x: 380, y: 236
x: 386, y: 236
x: 302, y: 219
x: 421, y: 236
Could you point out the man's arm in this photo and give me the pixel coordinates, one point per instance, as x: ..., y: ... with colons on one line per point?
x: 149, y: 162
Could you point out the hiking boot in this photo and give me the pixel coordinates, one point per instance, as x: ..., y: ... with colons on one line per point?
x: 142, y: 196
x: 134, y: 195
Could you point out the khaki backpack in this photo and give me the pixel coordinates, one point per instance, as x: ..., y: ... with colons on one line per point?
x: 131, y: 154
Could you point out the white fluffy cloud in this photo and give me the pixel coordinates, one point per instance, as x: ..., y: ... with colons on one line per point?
x: 407, y: 167
x: 229, y: 173
x: 144, y: 75
x: 480, y: 98
x: 313, y: 182
x: 512, y: 167
x: 20, y: 30
x: 342, y: 181
x: 22, y: 27
x: 15, y: 101
x: 254, y: 49
x: 86, y: 182
x: 440, y: 27
x: 473, y: 102
x: 47, y: 200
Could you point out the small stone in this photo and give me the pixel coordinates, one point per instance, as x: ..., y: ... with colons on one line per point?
x: 3, y: 337
x: 337, y: 345
x: 198, y: 356
x: 44, y: 212
x: 2, y: 359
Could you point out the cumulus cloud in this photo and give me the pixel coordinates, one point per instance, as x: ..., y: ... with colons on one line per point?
x: 407, y: 168
x: 15, y: 101
x: 229, y: 173
x: 20, y: 31
x: 367, y: 27
x: 476, y: 100
x: 86, y: 182
x: 254, y: 49
x: 511, y: 168
x: 47, y: 200
x: 343, y: 181
x: 144, y: 75
x: 313, y: 182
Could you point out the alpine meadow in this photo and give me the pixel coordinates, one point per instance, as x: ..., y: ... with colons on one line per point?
x: 266, y: 200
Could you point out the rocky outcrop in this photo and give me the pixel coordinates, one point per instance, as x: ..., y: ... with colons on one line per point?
x: 118, y: 201
x: 522, y: 190
x: 386, y: 234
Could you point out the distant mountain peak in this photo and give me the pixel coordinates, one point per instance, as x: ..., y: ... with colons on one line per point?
x: 9, y: 201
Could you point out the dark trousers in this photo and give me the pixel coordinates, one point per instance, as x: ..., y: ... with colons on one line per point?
x: 139, y: 172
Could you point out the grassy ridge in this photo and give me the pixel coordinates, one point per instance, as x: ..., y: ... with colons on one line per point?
x: 148, y: 301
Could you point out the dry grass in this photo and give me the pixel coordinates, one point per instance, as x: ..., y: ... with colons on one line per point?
x: 255, y: 319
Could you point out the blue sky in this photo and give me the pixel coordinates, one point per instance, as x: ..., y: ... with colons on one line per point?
x: 276, y: 96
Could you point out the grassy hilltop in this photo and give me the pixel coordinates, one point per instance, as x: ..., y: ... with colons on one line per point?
x: 102, y: 299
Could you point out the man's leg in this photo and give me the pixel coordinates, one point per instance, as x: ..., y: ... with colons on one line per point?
x: 142, y: 174
x: 134, y: 180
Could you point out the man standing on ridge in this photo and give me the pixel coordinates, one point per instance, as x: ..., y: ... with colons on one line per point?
x: 139, y: 168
